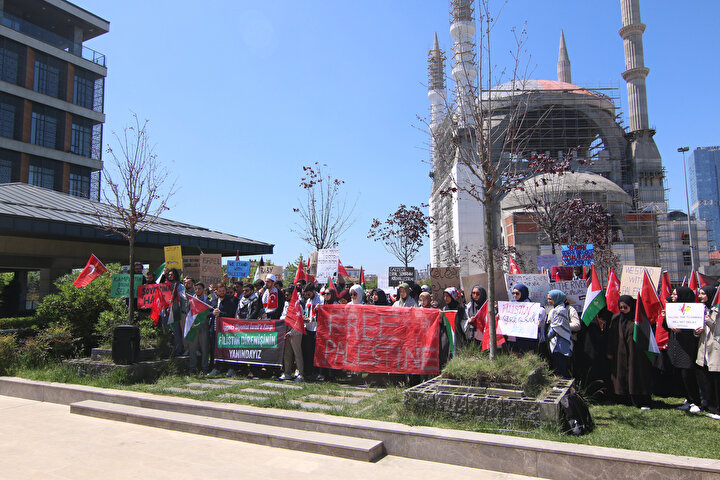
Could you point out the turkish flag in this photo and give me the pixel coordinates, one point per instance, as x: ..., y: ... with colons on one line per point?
x: 514, y: 269
x: 92, y: 270
x: 612, y: 292
x: 341, y: 269
x: 294, y: 316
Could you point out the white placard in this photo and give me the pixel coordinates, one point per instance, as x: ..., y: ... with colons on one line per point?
x: 538, y: 285
x: 685, y: 315
x: 574, y: 290
x: 327, y: 264
x: 519, y: 319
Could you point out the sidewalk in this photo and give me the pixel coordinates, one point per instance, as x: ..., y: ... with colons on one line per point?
x: 43, y: 440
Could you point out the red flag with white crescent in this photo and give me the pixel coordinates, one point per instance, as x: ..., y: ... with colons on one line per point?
x: 92, y: 270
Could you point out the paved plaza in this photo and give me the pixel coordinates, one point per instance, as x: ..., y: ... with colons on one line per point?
x: 43, y: 440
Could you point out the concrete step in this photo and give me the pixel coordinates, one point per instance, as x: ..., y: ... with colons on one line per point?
x: 302, y: 440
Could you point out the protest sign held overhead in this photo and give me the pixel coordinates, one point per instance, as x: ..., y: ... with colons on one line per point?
x: 442, y: 278
x: 238, y: 268
x: 398, y: 275
x: 173, y: 257
x: 574, y: 255
x: 632, y: 278
x: 538, y: 285
x: 146, y: 294
x: 191, y: 266
x: 210, y: 268
x: 327, y: 264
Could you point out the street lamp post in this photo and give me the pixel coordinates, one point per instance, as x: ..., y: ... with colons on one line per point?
x: 687, y: 203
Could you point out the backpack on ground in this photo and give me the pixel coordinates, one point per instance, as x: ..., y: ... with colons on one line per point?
x: 577, y: 415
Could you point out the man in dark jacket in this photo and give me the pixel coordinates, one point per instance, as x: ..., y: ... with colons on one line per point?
x: 224, y: 305
x: 250, y: 305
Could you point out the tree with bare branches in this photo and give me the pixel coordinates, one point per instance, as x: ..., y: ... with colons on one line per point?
x: 326, y: 214
x: 137, y: 190
x: 483, y: 146
x: 403, y: 232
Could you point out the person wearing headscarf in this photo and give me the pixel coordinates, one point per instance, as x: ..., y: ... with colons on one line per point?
x: 708, y: 355
x: 357, y: 295
x: 380, y: 297
x: 404, y: 299
x: 521, y: 293
x: 451, y: 297
x: 558, y: 333
x: 630, y: 367
x: 682, y: 350
x: 478, y: 297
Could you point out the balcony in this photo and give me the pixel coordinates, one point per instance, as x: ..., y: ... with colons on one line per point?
x: 46, y: 36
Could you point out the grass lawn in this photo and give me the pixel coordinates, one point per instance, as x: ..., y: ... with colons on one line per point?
x: 662, y: 429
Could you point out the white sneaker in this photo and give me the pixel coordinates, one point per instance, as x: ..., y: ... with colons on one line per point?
x: 644, y: 409
x: 694, y: 408
x: 284, y: 377
x: 714, y: 416
x: 299, y: 378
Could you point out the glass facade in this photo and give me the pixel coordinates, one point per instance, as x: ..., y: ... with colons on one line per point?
x: 45, y: 127
x: 704, y: 178
x: 12, y: 59
x: 49, y: 76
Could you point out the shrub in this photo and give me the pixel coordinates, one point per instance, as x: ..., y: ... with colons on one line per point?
x: 79, y: 308
x: 17, y: 322
x: 8, y: 353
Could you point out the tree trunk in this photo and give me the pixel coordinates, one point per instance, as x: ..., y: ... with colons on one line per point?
x: 491, y: 277
x: 132, y: 300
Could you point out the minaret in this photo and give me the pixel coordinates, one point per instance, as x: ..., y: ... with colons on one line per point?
x: 635, y: 71
x: 646, y: 180
x: 436, y: 85
x: 563, y: 66
x: 464, y: 72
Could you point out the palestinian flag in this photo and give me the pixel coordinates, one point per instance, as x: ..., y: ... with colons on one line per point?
x: 612, y: 292
x: 716, y: 298
x: 643, y: 334
x: 594, y: 299
x: 257, y: 270
x: 196, y: 317
x: 159, y: 272
x: 449, y: 322
x: 362, y: 278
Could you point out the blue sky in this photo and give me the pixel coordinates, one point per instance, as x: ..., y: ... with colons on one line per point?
x: 241, y: 94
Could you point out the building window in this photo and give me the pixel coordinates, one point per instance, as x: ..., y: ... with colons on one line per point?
x: 81, y: 137
x: 5, y: 171
x: 44, y: 129
x: 9, y: 61
x: 687, y: 261
x: 7, y: 119
x: 79, y: 185
x: 48, y: 76
x: 41, y: 176
x: 685, y: 238
x: 83, y: 89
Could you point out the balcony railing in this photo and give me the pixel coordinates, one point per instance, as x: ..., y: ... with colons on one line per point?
x: 46, y: 36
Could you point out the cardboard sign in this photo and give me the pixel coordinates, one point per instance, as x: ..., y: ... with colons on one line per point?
x: 367, y: 338
x: 538, y: 285
x: 120, y: 286
x: 482, y: 279
x: 191, y: 266
x: 519, y: 319
x: 146, y: 294
x: 632, y: 277
x: 266, y: 270
x: 546, y: 261
x: 327, y: 264
x: 685, y: 315
x: 574, y: 290
x: 211, y: 268
x: 573, y: 255
x: 173, y: 257
x: 442, y: 278
x: 250, y: 341
x: 398, y: 275
x: 238, y: 268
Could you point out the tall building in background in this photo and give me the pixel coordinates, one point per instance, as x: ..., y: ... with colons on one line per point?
x: 704, y: 172
x: 51, y: 96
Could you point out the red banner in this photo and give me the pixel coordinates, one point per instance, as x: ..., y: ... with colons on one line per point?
x: 368, y: 338
x: 146, y: 294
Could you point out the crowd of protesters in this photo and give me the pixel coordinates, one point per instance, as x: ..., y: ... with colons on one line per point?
x: 602, y: 356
